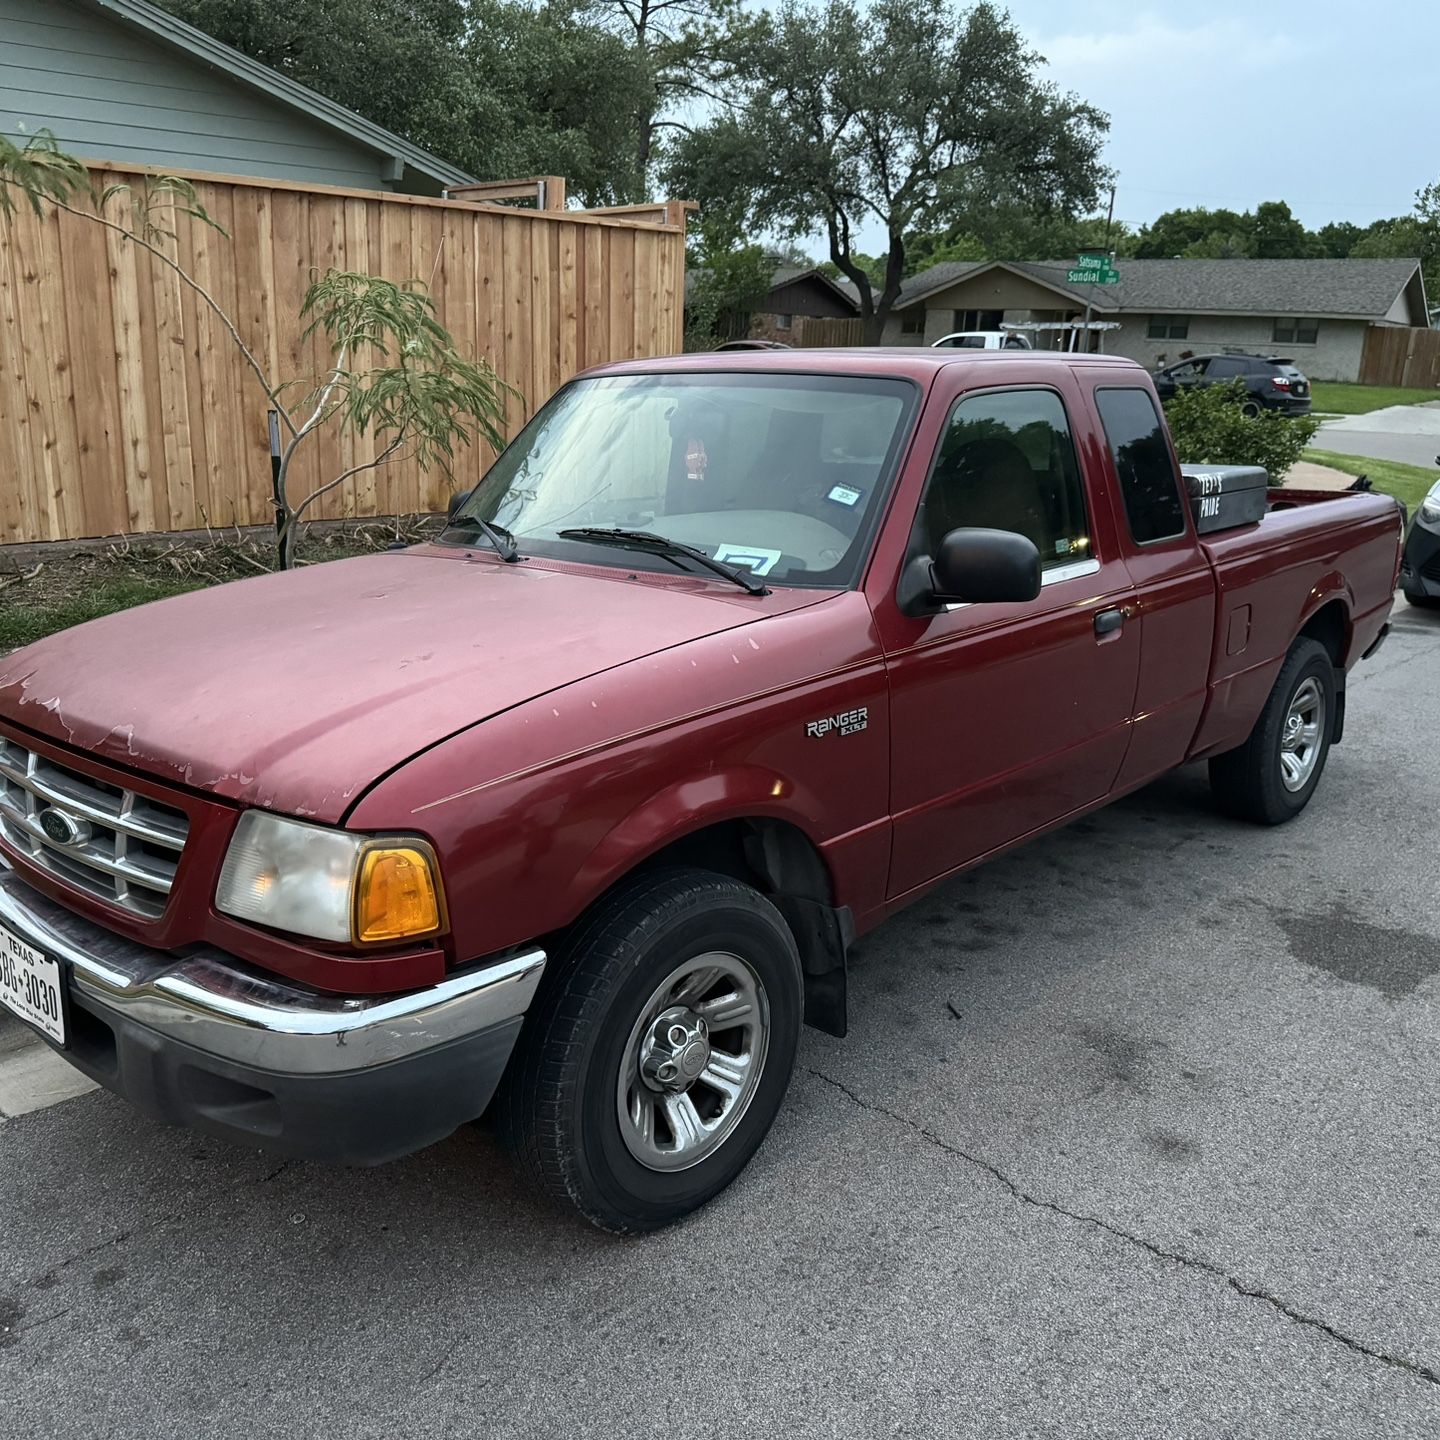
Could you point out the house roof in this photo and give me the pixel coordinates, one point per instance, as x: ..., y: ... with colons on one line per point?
x: 162, y: 27
x: 1359, y: 289
x: 789, y: 274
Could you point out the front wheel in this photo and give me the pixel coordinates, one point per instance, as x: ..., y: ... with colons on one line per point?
x: 1271, y: 777
x: 659, y: 1050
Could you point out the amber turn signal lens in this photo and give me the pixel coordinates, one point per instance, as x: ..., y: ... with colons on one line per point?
x: 397, y: 897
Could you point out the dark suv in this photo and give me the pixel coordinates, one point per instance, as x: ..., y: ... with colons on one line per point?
x: 1271, y: 381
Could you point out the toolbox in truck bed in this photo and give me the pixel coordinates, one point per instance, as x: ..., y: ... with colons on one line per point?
x: 1223, y: 497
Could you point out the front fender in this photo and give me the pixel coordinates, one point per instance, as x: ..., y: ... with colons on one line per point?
x: 741, y: 792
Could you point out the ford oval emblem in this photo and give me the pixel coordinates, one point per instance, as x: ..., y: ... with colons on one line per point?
x: 63, y: 829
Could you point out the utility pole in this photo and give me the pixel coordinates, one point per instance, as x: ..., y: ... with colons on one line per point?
x: 1109, y: 222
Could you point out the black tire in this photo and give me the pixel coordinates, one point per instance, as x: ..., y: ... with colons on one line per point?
x: 1247, y: 782
x: 1250, y: 409
x: 558, y: 1107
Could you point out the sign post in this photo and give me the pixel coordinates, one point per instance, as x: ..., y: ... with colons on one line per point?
x: 1093, y: 267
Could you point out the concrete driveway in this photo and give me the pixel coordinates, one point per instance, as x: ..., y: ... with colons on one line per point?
x: 1135, y: 1135
x: 1409, y: 433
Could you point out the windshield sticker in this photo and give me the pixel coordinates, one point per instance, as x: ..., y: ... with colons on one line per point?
x: 758, y: 562
x: 846, y: 495
x: 696, y: 460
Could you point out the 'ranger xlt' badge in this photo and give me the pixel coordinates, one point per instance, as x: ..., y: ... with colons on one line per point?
x: 851, y: 722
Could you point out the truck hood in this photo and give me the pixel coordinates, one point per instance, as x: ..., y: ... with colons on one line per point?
x: 296, y: 691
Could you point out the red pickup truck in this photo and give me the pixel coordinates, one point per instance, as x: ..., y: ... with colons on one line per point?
x: 578, y: 808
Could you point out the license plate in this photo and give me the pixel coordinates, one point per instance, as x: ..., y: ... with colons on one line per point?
x: 30, y: 986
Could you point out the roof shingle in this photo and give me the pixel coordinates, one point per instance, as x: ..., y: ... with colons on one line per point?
x: 1365, y: 289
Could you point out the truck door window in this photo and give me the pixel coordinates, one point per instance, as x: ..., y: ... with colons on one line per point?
x: 1153, y: 506
x: 1007, y: 462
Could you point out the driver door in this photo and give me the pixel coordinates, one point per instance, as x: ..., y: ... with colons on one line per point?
x: 1005, y: 718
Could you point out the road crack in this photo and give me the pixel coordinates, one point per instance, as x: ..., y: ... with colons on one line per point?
x: 1160, y: 1252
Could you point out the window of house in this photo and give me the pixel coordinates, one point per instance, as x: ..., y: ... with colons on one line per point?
x: 1148, y: 481
x: 1007, y: 462
x: 977, y: 319
x: 1290, y: 331
x: 783, y: 322
x: 1168, y: 327
x: 912, y: 322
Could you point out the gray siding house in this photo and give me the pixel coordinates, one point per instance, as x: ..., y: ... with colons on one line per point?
x: 123, y: 80
x: 1318, y: 311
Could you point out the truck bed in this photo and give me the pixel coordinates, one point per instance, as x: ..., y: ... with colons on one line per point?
x: 1313, y: 548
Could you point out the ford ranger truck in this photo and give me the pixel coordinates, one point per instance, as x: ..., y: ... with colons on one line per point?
x: 572, y: 814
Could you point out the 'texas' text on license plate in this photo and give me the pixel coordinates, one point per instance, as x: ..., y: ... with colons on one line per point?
x: 30, y: 986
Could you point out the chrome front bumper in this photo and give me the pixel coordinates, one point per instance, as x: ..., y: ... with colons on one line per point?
x: 208, y: 1002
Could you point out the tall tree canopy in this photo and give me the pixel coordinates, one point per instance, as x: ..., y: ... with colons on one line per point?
x: 843, y: 117
x: 496, y: 87
x: 681, y: 49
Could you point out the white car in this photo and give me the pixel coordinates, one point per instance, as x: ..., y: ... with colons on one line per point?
x: 983, y: 340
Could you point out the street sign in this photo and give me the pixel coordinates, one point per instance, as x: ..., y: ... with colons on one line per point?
x: 1094, y: 267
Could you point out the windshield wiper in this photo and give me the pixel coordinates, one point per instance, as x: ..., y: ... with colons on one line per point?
x: 660, y: 545
x: 497, y: 535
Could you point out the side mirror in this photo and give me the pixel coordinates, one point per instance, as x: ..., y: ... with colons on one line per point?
x: 973, y: 566
x: 455, y: 502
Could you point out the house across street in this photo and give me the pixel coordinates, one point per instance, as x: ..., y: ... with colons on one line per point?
x: 1319, y: 312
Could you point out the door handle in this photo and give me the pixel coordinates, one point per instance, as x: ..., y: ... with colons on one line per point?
x: 1107, y: 622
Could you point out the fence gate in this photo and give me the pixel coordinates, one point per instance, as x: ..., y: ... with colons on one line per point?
x: 1401, y: 355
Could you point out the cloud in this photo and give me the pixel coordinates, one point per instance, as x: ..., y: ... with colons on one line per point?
x: 1153, y: 53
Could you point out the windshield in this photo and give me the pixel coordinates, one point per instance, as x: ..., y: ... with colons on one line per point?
x: 782, y: 475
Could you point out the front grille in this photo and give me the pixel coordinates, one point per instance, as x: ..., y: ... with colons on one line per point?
x: 107, y: 841
x: 1431, y: 568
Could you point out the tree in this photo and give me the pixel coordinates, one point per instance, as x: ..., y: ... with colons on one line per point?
x: 393, y: 372
x: 987, y: 231
x: 681, y: 48
x: 729, y: 279
x: 498, y: 88
x: 844, y: 118
x: 1337, y: 238
x: 1275, y: 234
x: 1170, y: 234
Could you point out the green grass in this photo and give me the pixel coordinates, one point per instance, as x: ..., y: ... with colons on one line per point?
x: 22, y: 623
x: 1332, y: 397
x: 1410, y: 483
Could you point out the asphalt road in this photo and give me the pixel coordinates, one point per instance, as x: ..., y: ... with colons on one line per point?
x: 1408, y: 433
x: 1135, y: 1135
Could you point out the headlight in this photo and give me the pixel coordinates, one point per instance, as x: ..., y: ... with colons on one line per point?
x: 329, y: 884
x: 1430, y: 505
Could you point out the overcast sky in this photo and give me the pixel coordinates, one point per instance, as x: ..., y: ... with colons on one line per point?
x: 1331, y: 105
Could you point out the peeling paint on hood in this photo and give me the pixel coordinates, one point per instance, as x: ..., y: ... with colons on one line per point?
x: 296, y: 691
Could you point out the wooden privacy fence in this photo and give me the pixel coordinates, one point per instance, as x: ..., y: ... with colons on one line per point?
x: 810, y: 331
x: 1400, y: 355
x: 125, y: 408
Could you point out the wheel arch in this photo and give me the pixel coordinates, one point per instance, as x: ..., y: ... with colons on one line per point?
x: 1328, y: 621
x: 774, y: 853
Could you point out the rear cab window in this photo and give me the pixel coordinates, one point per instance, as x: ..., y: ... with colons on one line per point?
x: 1135, y: 434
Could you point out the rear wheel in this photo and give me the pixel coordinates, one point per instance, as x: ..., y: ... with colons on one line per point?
x: 1271, y: 777
x: 659, y: 1051
x: 1250, y: 409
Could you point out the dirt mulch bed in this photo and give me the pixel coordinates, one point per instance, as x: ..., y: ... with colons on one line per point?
x: 44, y: 588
